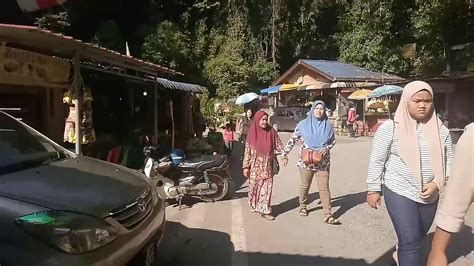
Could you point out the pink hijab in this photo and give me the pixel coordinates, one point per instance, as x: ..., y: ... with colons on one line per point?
x: 408, y: 136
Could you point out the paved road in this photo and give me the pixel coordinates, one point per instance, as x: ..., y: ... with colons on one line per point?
x: 227, y: 234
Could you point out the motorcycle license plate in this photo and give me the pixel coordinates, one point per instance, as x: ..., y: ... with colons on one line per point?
x: 148, y: 167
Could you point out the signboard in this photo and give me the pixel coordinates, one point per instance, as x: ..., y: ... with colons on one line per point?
x: 409, y: 50
x: 21, y: 67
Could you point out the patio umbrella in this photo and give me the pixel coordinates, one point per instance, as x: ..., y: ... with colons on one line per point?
x: 386, y: 90
x: 359, y: 94
x: 246, y: 98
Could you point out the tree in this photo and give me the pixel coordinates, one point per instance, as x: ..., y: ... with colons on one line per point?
x: 54, y: 21
x: 438, y: 25
x: 235, y: 64
x: 370, y: 36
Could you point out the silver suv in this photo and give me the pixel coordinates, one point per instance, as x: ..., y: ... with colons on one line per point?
x: 57, y: 208
x: 286, y: 118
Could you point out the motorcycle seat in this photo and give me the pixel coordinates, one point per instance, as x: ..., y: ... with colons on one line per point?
x: 202, y: 163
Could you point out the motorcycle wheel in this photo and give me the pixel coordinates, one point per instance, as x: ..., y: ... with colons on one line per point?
x: 222, y: 188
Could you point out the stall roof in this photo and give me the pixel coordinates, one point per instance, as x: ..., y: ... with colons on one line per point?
x: 174, y: 85
x: 337, y: 71
x: 54, y: 44
x: 342, y: 71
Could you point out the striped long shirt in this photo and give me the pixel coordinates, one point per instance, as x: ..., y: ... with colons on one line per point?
x: 386, y: 164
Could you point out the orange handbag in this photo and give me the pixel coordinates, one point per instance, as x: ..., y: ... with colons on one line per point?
x: 310, y: 157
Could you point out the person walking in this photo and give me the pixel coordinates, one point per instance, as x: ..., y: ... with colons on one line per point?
x: 243, y: 125
x: 228, y: 137
x: 351, y: 119
x: 412, y: 158
x: 343, y: 115
x: 459, y: 195
x: 316, y: 134
x: 259, y: 164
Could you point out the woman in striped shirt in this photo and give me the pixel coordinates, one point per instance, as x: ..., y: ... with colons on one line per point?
x: 411, y: 159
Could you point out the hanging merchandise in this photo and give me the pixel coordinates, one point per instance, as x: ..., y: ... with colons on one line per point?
x: 87, y: 125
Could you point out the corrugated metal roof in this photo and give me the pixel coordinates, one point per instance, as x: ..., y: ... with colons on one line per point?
x: 174, y: 85
x: 52, y: 43
x: 346, y: 72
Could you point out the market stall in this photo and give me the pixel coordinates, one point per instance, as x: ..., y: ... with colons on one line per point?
x: 383, y: 103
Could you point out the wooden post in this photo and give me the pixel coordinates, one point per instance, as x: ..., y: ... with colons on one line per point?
x: 172, y: 126
x: 155, y: 110
x: 77, y: 100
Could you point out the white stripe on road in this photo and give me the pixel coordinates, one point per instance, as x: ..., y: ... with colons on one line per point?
x: 239, y: 256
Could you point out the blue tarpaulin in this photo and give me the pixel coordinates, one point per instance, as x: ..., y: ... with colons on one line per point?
x: 271, y: 90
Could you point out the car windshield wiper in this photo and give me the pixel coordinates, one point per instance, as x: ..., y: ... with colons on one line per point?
x: 36, y: 160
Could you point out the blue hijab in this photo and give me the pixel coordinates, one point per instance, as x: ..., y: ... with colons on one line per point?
x: 316, y: 133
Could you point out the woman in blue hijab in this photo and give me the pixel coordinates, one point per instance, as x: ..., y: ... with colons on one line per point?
x: 315, y: 133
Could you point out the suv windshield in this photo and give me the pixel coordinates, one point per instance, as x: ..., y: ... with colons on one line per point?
x: 22, y: 148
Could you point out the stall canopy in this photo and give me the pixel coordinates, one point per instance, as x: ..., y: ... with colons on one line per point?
x: 386, y: 90
x: 341, y: 84
x: 359, y: 95
x: 54, y: 44
x: 278, y: 88
x: 270, y: 90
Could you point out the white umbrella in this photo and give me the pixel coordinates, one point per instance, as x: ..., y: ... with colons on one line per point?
x: 246, y: 98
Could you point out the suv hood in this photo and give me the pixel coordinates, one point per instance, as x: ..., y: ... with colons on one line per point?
x: 79, y: 184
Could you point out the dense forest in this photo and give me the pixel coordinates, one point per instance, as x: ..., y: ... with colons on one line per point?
x: 241, y: 45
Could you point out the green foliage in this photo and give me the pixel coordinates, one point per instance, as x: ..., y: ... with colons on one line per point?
x: 237, y: 46
x: 168, y: 45
x: 57, y: 22
x: 234, y: 64
x: 369, y: 37
x: 109, y: 36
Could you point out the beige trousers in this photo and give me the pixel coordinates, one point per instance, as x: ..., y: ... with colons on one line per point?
x: 322, y: 178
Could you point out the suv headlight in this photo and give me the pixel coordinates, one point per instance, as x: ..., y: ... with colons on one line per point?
x: 69, y: 232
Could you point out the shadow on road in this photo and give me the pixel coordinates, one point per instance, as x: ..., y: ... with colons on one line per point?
x: 292, y: 204
x: 461, y: 246
x: 235, y: 169
x: 182, y: 246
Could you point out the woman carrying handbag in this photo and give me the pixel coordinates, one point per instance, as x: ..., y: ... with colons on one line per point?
x: 260, y: 164
x: 316, y: 135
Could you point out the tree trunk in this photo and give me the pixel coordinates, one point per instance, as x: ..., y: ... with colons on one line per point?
x: 274, y: 18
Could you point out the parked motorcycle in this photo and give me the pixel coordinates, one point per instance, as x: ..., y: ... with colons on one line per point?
x: 204, y: 177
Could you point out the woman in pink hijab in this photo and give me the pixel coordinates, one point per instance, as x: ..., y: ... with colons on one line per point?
x: 410, y: 162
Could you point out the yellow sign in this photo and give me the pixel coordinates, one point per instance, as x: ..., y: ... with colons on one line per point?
x: 21, y: 67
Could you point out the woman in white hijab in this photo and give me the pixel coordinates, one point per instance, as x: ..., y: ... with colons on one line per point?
x: 413, y: 156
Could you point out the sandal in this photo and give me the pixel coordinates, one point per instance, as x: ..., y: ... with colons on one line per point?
x: 268, y: 217
x: 395, y: 258
x: 303, y: 212
x: 252, y: 210
x: 331, y: 220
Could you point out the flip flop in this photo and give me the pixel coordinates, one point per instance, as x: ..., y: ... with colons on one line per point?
x: 268, y: 217
x: 331, y: 220
x: 303, y: 212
